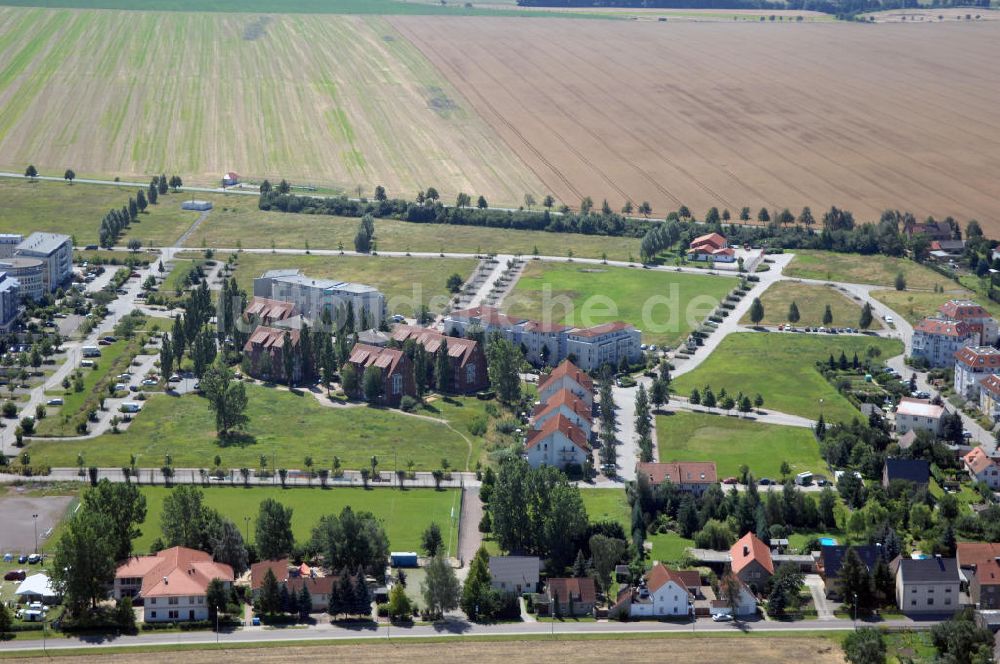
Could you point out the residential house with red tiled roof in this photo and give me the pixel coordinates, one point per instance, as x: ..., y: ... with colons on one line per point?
x: 567, y: 376
x: 265, y: 311
x: 983, y: 468
x: 483, y: 320
x: 394, y: 366
x: 264, y: 353
x: 751, y: 562
x: 567, y: 404
x: 662, y: 592
x: 978, y: 562
x: 711, y: 247
x: 972, y: 365
x: 558, y: 443
x: 294, y: 578
x: 989, y: 397
x: 172, y: 585
x: 975, y: 316
x: 574, y: 596
x: 691, y: 476
x: 466, y: 358
x: 938, y: 339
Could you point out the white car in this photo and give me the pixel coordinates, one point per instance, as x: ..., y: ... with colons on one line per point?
x: 722, y: 617
x: 54, y: 402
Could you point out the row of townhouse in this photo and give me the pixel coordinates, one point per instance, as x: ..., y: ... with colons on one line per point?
x: 956, y: 325
x: 550, y: 343
x: 562, y: 420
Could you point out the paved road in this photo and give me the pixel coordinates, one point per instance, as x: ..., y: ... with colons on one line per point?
x: 452, y: 627
x: 470, y: 538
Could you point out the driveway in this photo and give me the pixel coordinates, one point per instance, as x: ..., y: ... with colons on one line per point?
x: 824, y: 608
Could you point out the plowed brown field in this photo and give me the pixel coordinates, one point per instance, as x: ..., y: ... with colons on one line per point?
x: 862, y: 117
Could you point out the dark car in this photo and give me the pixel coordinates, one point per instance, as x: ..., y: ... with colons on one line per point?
x: 15, y: 575
x: 23, y: 558
x: 766, y: 482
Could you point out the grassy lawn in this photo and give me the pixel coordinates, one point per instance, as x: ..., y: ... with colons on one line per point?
x: 731, y: 442
x: 181, y: 268
x: 669, y: 547
x: 780, y: 366
x: 114, y: 360
x: 284, y: 426
x: 607, y: 505
x: 854, y: 268
x: 406, y: 282
x: 404, y: 514
x: 77, y: 210
x: 915, y: 305
x: 226, y: 227
x: 811, y: 300
x: 585, y: 295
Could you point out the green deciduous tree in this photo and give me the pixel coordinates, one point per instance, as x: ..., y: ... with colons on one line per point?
x: 124, y: 507
x: 756, y: 311
x: 274, y: 530
x: 84, y: 564
x: 865, y: 646
x: 504, y: 364
x: 431, y: 541
x: 440, y: 588
x: 227, y: 398
x: 352, y: 540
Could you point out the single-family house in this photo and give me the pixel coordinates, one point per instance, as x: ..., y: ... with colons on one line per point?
x: 745, y: 604
x: 171, y: 585
x: 264, y: 353
x: 980, y: 322
x: 931, y: 585
x: 983, y: 468
x: 395, y: 369
x: 918, y: 414
x: 916, y: 471
x: 568, y: 405
x: 751, y: 562
x: 558, y: 443
x: 661, y: 593
x: 515, y: 574
x: 569, y: 597
x: 294, y: 577
x: 978, y: 562
x: 711, y: 247
x: 973, y: 364
x: 466, y: 359
x: 989, y: 397
x: 691, y: 476
x: 934, y: 230
x: 567, y: 376
x: 938, y: 339
x: 831, y: 560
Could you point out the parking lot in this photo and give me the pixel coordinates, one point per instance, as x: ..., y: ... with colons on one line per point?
x: 16, y: 523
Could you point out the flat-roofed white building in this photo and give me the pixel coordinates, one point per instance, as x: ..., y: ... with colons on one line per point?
x: 55, y: 250
x: 313, y: 296
x: 917, y: 414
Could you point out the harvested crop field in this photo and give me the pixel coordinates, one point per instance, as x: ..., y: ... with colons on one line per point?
x: 744, y: 649
x: 327, y: 100
x: 738, y: 114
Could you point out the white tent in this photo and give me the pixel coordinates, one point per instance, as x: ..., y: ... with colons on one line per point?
x: 36, y: 586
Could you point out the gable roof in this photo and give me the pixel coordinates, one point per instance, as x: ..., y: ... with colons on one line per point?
x: 278, y: 566
x: 748, y: 549
x: 582, y: 589
x: 561, y: 424
x: 917, y: 471
x: 974, y: 554
x: 567, y: 369
x: 834, y: 555
x: 977, y: 461
x: 431, y: 341
x: 174, y: 571
x: 963, y: 310
x: 384, y: 358
x: 907, y: 439
x: 680, y: 472
x: 317, y: 585
x: 270, y: 338
x: 992, y: 385
x: 563, y: 398
x: 601, y: 330
x: 929, y: 570
x: 268, y: 309
x: 713, y: 239
x: 660, y: 575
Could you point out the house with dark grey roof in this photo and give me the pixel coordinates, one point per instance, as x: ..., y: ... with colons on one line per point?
x: 916, y: 471
x: 928, y: 586
x: 832, y: 558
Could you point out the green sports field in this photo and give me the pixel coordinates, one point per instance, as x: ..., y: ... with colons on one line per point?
x: 781, y: 367
x: 666, y: 306
x: 404, y: 514
x: 731, y: 442
x: 283, y: 427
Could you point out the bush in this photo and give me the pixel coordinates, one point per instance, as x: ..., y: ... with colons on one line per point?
x: 408, y: 404
x: 9, y: 410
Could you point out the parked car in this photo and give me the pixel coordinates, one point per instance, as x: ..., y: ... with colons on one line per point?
x: 54, y: 402
x: 23, y: 558
x: 149, y: 382
x: 175, y: 378
x: 766, y: 482
x: 730, y: 480
x: 15, y: 575
x: 103, y: 342
x: 34, y: 559
x: 722, y: 617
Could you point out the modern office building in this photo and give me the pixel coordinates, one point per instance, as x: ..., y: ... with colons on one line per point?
x: 55, y: 250
x: 313, y: 296
x: 10, y: 301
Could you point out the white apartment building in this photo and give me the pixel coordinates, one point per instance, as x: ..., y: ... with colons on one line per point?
x: 313, y: 296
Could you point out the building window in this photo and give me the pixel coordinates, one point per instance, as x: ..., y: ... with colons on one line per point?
x: 470, y: 373
x: 152, y: 614
x: 930, y: 601
x: 172, y: 601
x: 152, y: 600
x: 397, y: 384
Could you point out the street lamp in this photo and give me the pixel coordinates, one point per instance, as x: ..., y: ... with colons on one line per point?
x: 246, y: 521
x: 34, y: 518
x: 855, y: 612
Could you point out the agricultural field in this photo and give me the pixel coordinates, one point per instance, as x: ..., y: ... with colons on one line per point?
x: 226, y: 227
x: 857, y: 269
x: 731, y: 442
x: 781, y: 367
x: 407, y: 282
x: 283, y: 427
x: 811, y: 300
x: 666, y: 306
x: 364, y: 107
x: 77, y: 209
x: 404, y: 514
x: 555, y: 91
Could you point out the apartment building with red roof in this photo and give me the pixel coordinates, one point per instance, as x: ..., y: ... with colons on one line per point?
x: 691, y: 476
x: 975, y: 316
x: 264, y: 353
x: 972, y: 365
x: 172, y: 585
x: 568, y: 405
x: 394, y: 367
x: 558, y: 443
x: 938, y: 339
x: 466, y: 358
x: 567, y: 376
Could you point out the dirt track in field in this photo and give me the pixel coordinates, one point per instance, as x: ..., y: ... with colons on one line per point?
x: 862, y: 117
x: 676, y: 651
